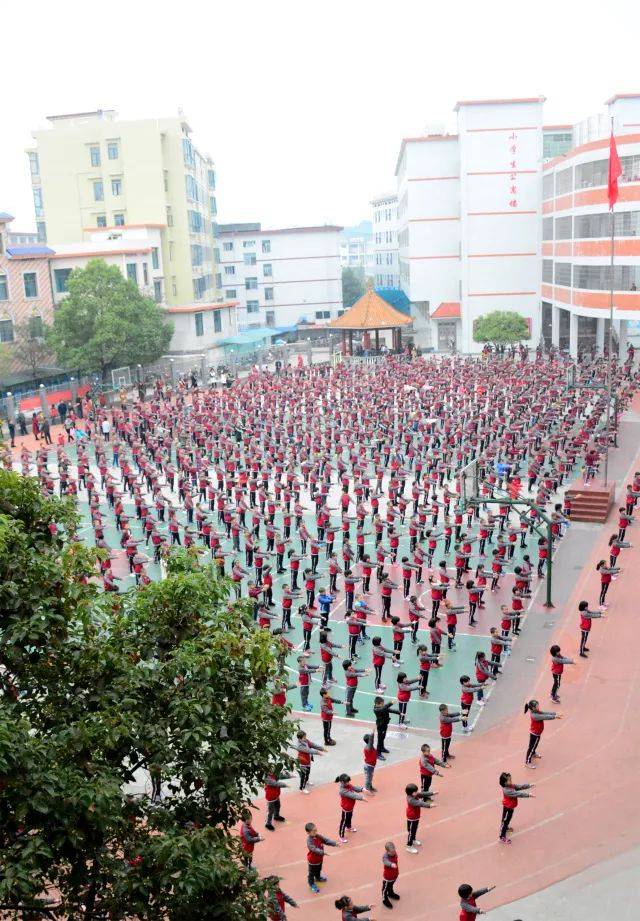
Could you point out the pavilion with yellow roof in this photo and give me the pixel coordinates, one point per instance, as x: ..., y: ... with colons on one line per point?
x: 371, y: 313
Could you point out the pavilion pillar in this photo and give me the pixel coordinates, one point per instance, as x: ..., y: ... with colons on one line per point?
x: 377, y: 340
x: 344, y: 342
x: 350, y: 342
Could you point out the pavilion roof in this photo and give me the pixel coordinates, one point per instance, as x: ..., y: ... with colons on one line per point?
x: 371, y: 312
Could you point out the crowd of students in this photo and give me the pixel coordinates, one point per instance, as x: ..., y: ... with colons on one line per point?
x: 242, y: 473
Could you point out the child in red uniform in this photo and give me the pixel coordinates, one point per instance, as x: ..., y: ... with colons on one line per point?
x: 558, y: 662
x: 468, y: 896
x: 349, y: 794
x: 538, y: 718
x: 390, y: 874
x: 511, y: 793
x: 315, y: 855
x: 447, y: 719
x: 415, y: 802
x: 586, y: 616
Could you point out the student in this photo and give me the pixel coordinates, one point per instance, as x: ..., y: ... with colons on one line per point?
x: 379, y: 654
x: 606, y: 574
x: 429, y: 765
x: 305, y: 671
x: 498, y: 645
x: 278, y: 901
x: 558, y: 662
x: 468, y: 897
x: 351, y: 912
x: 306, y: 750
x: 447, y: 719
x: 328, y: 655
x: 325, y: 600
x: 349, y: 794
x: 484, y: 671
x: 586, y: 616
x: 616, y: 544
x: 370, y: 759
x: 351, y: 676
x: 272, y: 788
x: 326, y: 714
x: 415, y: 802
x: 467, y: 690
x: 538, y: 718
x: 452, y: 612
x: 316, y: 844
x: 399, y: 630
x: 382, y: 711
x: 249, y: 837
x: 405, y: 687
x: 511, y: 793
x: 390, y: 874
x: 427, y: 661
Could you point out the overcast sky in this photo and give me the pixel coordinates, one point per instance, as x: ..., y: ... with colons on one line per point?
x: 302, y: 104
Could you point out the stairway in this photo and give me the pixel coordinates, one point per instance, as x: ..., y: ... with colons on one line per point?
x: 591, y: 503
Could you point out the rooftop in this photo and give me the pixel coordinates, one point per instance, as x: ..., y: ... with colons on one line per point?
x: 617, y: 96
x: 29, y: 252
x: 321, y: 228
x: 497, y: 102
x: 200, y: 308
x: 5, y: 217
x: 371, y: 312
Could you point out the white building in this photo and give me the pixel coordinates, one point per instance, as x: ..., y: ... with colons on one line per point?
x: 479, y: 230
x: 281, y: 277
x: 200, y: 329
x: 136, y: 251
x: 357, y: 251
x: 385, y: 240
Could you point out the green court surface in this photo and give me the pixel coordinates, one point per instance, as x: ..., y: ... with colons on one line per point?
x: 444, y: 682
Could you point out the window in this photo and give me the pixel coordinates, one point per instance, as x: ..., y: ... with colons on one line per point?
x: 230, y: 294
x: 145, y: 272
x: 592, y: 174
x: 4, y: 288
x: 36, y: 328
x: 191, y: 187
x: 98, y: 191
x: 323, y: 314
x: 597, y: 277
x: 155, y: 257
x: 563, y: 273
x: 169, y: 216
x: 217, y: 321
x: 266, y: 246
x: 563, y: 228
x: 157, y: 291
x: 564, y: 181
x: 94, y: 153
x: 213, y: 205
x: 34, y: 163
x: 211, y: 179
x: 627, y: 224
x: 188, y: 153
x: 218, y: 280
x: 6, y: 330
x: 630, y: 168
x: 113, y: 150
x: 268, y: 294
x: 196, y: 254
x: 253, y: 307
x: 547, y: 228
x: 118, y: 220
x: 37, y: 202
x: 30, y: 284
x: 249, y: 258
x: 270, y: 318
x: 174, y: 286
x: 248, y: 244
x: 547, y: 271
x: 61, y: 280
x: 547, y: 186
x: 41, y: 227
x: 116, y: 187
x: 132, y: 272
x: 267, y: 270
x: 199, y: 321
x: 227, y: 246
x: 251, y: 284
x: 195, y: 221
x: 101, y: 220
x: 229, y: 270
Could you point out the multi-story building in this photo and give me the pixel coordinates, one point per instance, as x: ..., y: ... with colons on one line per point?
x: 23, y: 238
x: 357, y: 249
x: 93, y: 171
x: 576, y: 233
x: 385, y: 240
x: 26, y: 298
x: 511, y: 214
x: 282, y: 277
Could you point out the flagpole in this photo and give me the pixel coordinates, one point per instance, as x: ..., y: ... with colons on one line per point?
x: 610, y: 363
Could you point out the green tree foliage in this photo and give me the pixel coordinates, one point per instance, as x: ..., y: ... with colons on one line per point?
x: 352, y: 286
x: 104, y: 322
x: 99, y: 692
x: 501, y: 327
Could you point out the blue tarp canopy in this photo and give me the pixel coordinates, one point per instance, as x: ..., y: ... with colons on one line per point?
x: 251, y: 336
x: 396, y: 297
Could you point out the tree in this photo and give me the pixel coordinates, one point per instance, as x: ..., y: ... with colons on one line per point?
x: 30, y: 347
x: 98, y: 691
x: 104, y: 322
x: 501, y: 327
x: 352, y: 286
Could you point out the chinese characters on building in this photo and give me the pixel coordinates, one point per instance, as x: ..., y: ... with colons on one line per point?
x: 513, y: 167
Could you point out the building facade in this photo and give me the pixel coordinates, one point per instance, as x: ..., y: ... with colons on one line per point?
x: 357, y: 252
x: 92, y: 171
x: 385, y: 240
x: 283, y: 277
x: 576, y: 234
x: 511, y: 214
x: 199, y: 331
x: 26, y: 297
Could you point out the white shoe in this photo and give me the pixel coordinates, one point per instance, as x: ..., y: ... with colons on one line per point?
x: 305, y: 791
x: 412, y: 850
x: 481, y: 703
x: 418, y: 843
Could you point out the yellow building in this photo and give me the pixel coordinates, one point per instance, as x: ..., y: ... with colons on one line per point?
x: 92, y: 170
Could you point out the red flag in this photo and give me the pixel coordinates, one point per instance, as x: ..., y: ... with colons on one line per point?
x: 615, y: 171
